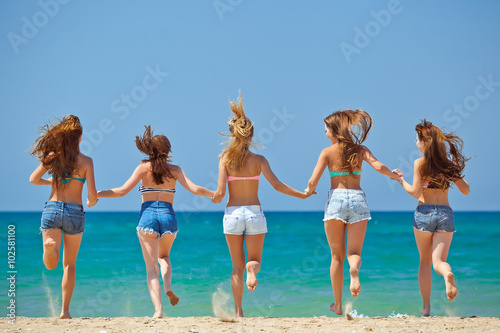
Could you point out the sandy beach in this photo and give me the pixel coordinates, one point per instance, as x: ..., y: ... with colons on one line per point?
x: 249, y: 325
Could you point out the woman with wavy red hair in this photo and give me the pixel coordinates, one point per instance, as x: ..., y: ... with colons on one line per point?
x: 63, y: 218
x: 244, y: 220
x: 433, y: 224
x: 346, y: 211
x: 157, y: 226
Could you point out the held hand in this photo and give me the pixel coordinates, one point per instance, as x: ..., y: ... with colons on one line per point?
x: 90, y: 204
x: 396, y: 174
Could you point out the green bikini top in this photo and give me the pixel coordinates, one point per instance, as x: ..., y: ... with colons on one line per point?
x: 335, y: 174
x: 68, y: 177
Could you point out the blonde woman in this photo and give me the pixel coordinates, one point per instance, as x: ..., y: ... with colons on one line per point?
x: 244, y: 220
x: 63, y: 219
x: 157, y: 227
x: 433, y: 224
x: 346, y: 211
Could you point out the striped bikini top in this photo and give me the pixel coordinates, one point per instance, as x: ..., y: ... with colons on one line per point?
x: 144, y: 189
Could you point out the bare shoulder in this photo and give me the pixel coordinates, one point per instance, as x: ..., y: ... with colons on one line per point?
x: 418, y: 161
x: 258, y: 158
x: 175, y: 169
x: 84, y: 160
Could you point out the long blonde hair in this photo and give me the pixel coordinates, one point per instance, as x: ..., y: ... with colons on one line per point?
x: 350, y: 128
x: 58, y: 146
x: 241, y: 128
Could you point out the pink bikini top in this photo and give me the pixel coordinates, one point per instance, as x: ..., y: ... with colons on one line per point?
x: 231, y: 178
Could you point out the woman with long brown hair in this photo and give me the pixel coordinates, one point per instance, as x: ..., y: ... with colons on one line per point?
x: 157, y: 226
x: 63, y: 219
x: 433, y: 223
x: 346, y: 211
x: 244, y: 220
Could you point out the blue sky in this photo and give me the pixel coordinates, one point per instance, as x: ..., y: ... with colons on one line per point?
x: 120, y: 65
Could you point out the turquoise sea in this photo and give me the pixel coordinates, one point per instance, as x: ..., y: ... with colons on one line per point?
x: 294, y: 280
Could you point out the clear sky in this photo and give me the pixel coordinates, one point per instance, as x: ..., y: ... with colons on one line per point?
x: 120, y: 65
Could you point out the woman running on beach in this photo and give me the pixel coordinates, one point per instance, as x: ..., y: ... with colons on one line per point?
x: 157, y: 226
x: 244, y: 220
x: 433, y: 223
x: 63, y: 220
x: 346, y: 211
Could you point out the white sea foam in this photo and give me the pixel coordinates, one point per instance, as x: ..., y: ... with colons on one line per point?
x: 399, y: 315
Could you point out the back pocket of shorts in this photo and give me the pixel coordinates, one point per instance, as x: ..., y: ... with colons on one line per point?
x: 258, y: 222
x: 230, y: 223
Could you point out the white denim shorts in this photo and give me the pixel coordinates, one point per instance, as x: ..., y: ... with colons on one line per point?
x: 249, y: 220
x: 349, y: 206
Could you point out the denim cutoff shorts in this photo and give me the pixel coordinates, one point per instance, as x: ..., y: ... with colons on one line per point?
x: 248, y: 220
x: 349, y: 206
x: 157, y: 217
x: 68, y: 217
x: 432, y: 218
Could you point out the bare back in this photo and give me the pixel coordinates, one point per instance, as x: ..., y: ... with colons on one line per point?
x: 335, y: 164
x: 245, y: 192
x: 168, y: 183
x: 72, y: 192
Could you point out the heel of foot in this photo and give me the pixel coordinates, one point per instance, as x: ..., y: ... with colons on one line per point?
x: 172, y: 298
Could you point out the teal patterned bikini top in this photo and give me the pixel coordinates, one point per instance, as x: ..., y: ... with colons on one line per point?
x: 67, y: 178
x: 335, y: 174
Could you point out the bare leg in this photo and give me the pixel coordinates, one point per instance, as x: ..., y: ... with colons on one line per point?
x: 165, y: 244
x: 235, y: 245
x: 441, y: 242
x: 355, y: 238
x: 424, y: 245
x: 71, y: 247
x: 255, y: 244
x: 51, y: 247
x: 335, y: 234
x: 149, y: 245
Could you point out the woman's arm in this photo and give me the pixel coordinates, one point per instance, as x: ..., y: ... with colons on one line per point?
x: 221, y: 184
x: 277, y: 185
x: 36, y: 176
x: 463, y: 186
x: 137, y: 175
x: 417, y: 188
x: 190, y: 186
x: 317, y: 172
x: 377, y: 165
x: 91, y: 189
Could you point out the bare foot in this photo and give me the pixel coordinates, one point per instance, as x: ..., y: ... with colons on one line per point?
x: 336, y: 308
x: 238, y: 313
x: 426, y: 311
x: 158, y: 314
x: 172, y: 298
x: 355, y: 285
x: 251, y: 278
x: 65, y: 315
x: 451, y: 287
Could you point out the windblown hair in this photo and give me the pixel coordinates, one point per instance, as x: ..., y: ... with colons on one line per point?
x: 443, y: 158
x: 241, y: 128
x: 157, y: 148
x: 350, y: 128
x: 58, y: 147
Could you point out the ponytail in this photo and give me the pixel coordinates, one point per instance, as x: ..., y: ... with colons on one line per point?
x: 157, y: 148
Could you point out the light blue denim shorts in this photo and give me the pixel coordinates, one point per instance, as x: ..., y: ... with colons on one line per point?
x: 432, y: 218
x: 349, y: 206
x: 157, y: 217
x: 70, y: 218
x: 248, y: 220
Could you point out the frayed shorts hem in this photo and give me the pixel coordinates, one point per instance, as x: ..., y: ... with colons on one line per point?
x: 151, y: 231
x: 347, y: 222
x: 431, y: 232
x: 65, y: 232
